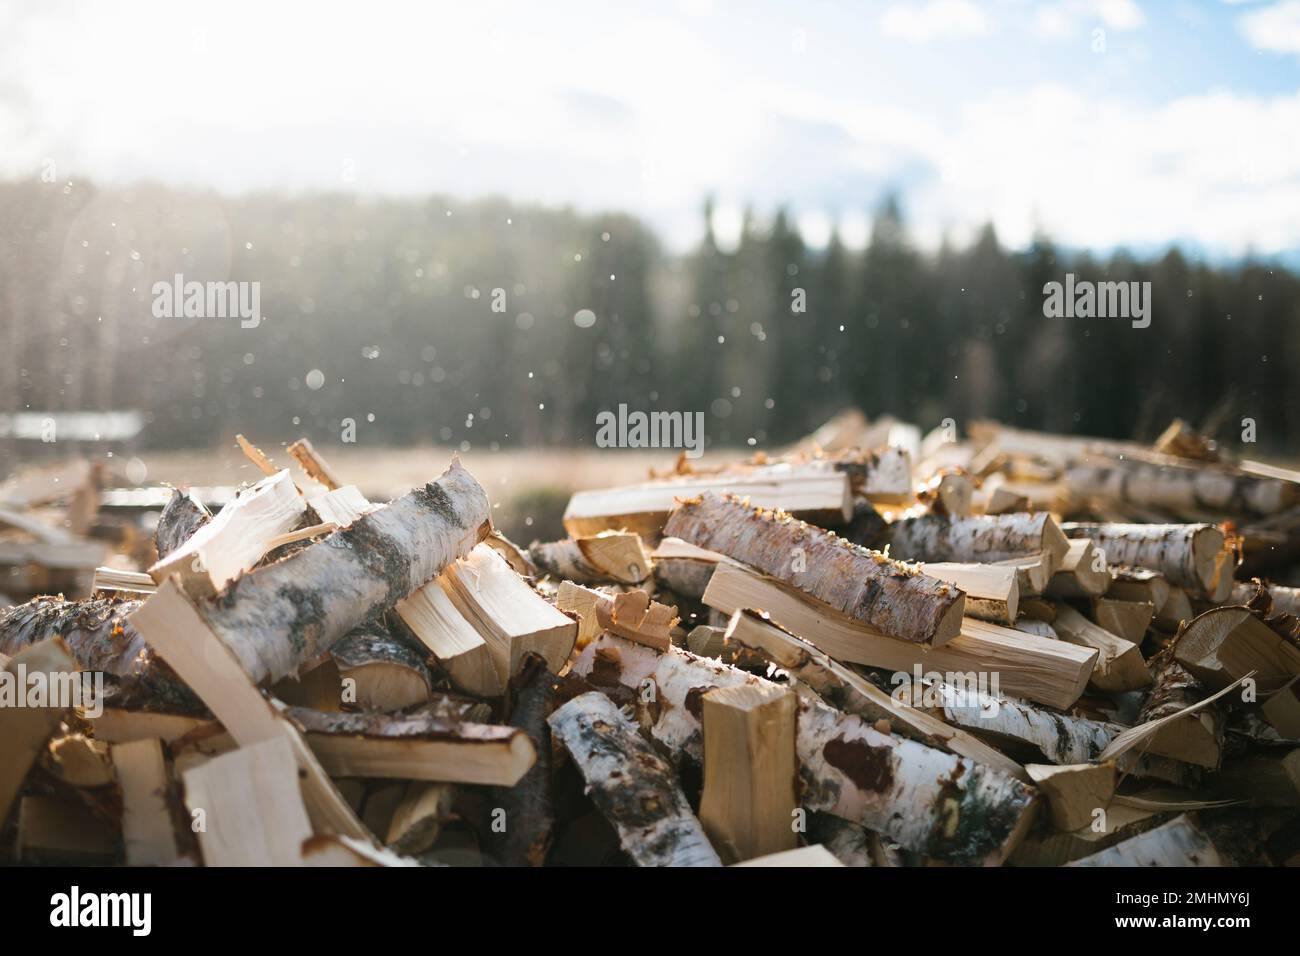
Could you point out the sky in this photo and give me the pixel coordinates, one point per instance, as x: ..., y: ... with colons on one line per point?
x: 1102, y: 123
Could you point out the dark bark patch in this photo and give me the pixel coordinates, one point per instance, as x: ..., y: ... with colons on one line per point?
x: 870, y: 768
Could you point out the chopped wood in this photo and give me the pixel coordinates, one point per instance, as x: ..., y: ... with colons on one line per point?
x: 246, y: 807
x: 115, y: 579
x: 454, y: 642
x: 631, y: 785
x: 529, y: 806
x: 1052, y: 672
x: 611, y: 557
x: 314, y: 465
x: 23, y: 729
x: 180, y: 520
x: 1083, y: 572
x: 1193, y: 556
x: 1048, y: 847
x: 1127, y: 619
x: 1196, y: 737
x: 707, y: 641
x: 1176, y: 608
x: 379, y: 671
x: 1226, y: 643
x: 235, y: 540
x: 1180, y: 842
x: 992, y: 592
x: 1120, y: 665
x: 300, y: 534
x: 1033, y: 573
x: 847, y: 691
x: 79, y: 761
x: 148, y: 830
x: 684, y: 568
x: 279, y: 616
x: 255, y: 455
x: 823, y: 497
x: 804, y: 856
x: 341, y: 506
x: 1284, y: 600
x: 862, y: 584
x: 629, y: 614
x: 415, y: 747
x: 419, y: 817
x: 118, y: 726
x: 949, y: 493
x: 512, y: 618
x: 983, y: 538
x: 1074, y: 792
x: 748, y: 806
x: 1138, y: 584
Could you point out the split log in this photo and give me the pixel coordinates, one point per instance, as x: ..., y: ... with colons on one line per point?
x: 1193, y: 556
x: 1176, y: 609
x: 529, y: 804
x: 1180, y: 842
x: 631, y: 785
x: 1051, y: 672
x: 683, y: 568
x: 930, y: 801
x: 1050, y: 848
x: 1225, y: 644
x: 419, y: 817
x: 804, y: 856
x: 1037, y: 627
x: 992, y: 593
x: 250, y: 807
x: 1284, y: 600
x: 279, y: 616
x: 822, y: 497
x: 708, y: 641
x: 1120, y: 666
x: 1196, y: 738
x: 255, y: 455
x: 845, y: 690
x: 630, y: 614
x: 148, y: 830
x: 235, y: 540
x: 180, y: 520
x: 1033, y: 573
x: 430, y: 615
x: 101, y: 638
x: 385, y: 673
x: 983, y: 538
x: 615, y: 557
x: 415, y: 747
x: 171, y: 624
x: 314, y: 465
x: 342, y: 506
x: 862, y: 584
x: 1138, y: 584
x: 512, y: 618
x: 1074, y: 791
x: 1083, y: 572
x: 1127, y: 619
x: 949, y: 494
x: 115, y: 579
x: 748, y: 805
x: 117, y: 726
x: 24, y: 730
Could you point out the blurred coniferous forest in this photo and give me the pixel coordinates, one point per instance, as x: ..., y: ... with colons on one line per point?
x: 392, y: 300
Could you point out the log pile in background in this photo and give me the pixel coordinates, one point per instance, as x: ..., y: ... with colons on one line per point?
x: 871, y: 650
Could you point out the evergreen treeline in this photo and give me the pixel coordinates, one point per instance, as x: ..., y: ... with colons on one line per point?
x: 396, y: 303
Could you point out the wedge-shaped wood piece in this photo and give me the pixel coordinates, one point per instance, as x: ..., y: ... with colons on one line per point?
x: 1176, y: 609
x: 1120, y: 665
x: 822, y: 496
x: 1083, y: 572
x: 611, y: 557
x: 419, y: 817
x: 748, y: 804
x: 1193, y: 556
x: 385, y: 673
x: 861, y: 584
x: 171, y: 624
x: 247, y: 807
x: 420, y: 746
x: 1033, y: 573
x: 630, y: 614
x: 804, y: 856
x: 992, y: 591
x: 24, y: 729
x: 1127, y: 619
x: 1180, y: 842
x: 848, y: 691
x: 1051, y: 672
x: 983, y: 538
x: 342, y: 506
x: 1195, y: 738
x: 147, y: 826
x: 1138, y: 584
x: 631, y: 785
x: 512, y: 618
x: 284, y: 614
x: 232, y: 542
x: 1075, y: 792
x: 460, y: 650
x: 181, y: 518
x: 684, y: 568
x: 314, y: 465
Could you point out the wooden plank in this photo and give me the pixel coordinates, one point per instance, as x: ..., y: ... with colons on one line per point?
x: 148, y: 830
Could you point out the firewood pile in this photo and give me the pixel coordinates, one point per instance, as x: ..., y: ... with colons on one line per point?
x: 874, y: 648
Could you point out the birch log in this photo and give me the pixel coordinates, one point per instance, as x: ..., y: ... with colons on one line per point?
x: 183, y: 515
x: 279, y: 616
x: 865, y: 585
x: 1196, y: 738
x: 982, y: 538
x: 386, y: 673
x: 631, y: 785
x: 1120, y: 666
x: 616, y: 557
x: 1192, y: 556
x: 528, y: 805
x: 1180, y: 842
x: 1180, y: 488
x: 1284, y: 600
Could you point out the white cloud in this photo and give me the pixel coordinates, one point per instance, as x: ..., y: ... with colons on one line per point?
x: 1275, y: 28
x: 1067, y: 17
x: 936, y: 18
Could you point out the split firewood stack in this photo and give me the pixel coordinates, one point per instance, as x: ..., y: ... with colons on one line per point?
x: 869, y: 649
